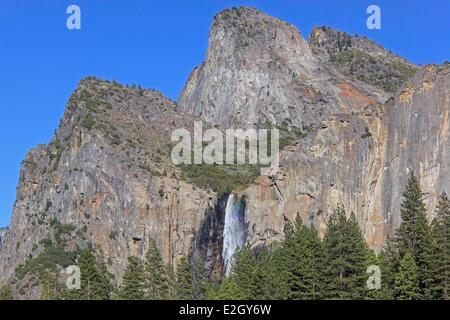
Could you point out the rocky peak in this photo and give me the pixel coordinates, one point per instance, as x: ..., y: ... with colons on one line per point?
x: 361, y: 58
x: 245, y: 31
x: 260, y: 70
x: 105, y: 178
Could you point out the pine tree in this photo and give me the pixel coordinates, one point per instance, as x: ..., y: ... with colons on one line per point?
x: 95, y: 279
x: 172, y: 281
x: 407, y: 284
x: 244, y: 273
x: 414, y: 234
x: 387, y: 278
x: 184, y: 285
x: 228, y: 290
x: 6, y: 293
x: 301, y: 265
x: 156, y: 277
x: 318, y: 252
x: 440, y: 256
x: 52, y: 289
x: 345, y: 258
x: 273, y: 273
x: 133, y: 281
x: 200, y: 277
x: 390, y: 259
x: 382, y: 293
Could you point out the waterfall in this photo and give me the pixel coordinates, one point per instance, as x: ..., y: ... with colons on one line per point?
x: 234, y: 233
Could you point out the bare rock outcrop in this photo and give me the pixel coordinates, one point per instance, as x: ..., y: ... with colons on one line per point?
x: 106, y: 179
x: 260, y: 70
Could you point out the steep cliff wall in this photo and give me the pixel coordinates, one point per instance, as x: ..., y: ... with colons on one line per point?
x: 3, y: 233
x: 106, y: 179
x: 360, y: 145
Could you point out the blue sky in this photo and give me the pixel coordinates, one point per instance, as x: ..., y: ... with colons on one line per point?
x: 156, y: 44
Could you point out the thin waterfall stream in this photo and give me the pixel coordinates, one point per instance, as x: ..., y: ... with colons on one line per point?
x: 234, y: 233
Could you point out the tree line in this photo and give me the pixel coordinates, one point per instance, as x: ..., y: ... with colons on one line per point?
x: 414, y: 264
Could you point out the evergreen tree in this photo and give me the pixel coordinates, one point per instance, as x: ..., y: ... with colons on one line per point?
x: 387, y: 278
x: 52, y: 289
x: 301, y: 251
x: 244, y: 273
x: 200, y: 277
x: 184, y: 285
x: 133, y: 284
x: 6, y: 293
x: 407, y: 284
x: 382, y: 293
x: 390, y: 260
x: 172, y: 281
x: 156, y: 277
x: 228, y: 290
x: 95, y: 279
x: 273, y: 273
x: 345, y: 258
x: 319, y: 263
x: 414, y: 234
x: 440, y: 256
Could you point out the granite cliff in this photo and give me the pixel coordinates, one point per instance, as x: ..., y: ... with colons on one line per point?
x: 106, y: 177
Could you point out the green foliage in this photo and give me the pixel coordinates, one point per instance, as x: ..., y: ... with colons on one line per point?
x: 244, y: 273
x: 440, y: 254
x: 407, y: 285
x: 228, y: 290
x: 345, y: 254
x: 49, y: 259
x: 61, y: 230
x: 156, y: 274
x: 95, y: 279
x: 387, y: 75
x: 414, y: 234
x: 296, y: 263
x: 6, y: 293
x: 200, y: 279
x: 52, y: 288
x: 133, y: 286
x: 88, y: 121
x: 184, y: 283
x: 272, y: 271
x: 384, y: 293
x: 220, y: 178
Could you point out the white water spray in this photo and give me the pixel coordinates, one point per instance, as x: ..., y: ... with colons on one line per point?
x: 234, y: 233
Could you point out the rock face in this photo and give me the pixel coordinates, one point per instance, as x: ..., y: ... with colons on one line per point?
x: 360, y: 58
x: 260, y: 70
x: 3, y: 233
x: 361, y: 144
x: 362, y: 160
x: 106, y: 177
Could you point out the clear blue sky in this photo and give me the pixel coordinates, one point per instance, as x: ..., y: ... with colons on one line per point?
x: 156, y: 44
